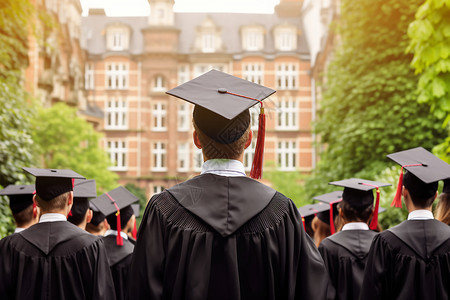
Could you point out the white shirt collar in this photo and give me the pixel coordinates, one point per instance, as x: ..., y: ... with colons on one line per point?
x: 223, y: 167
x: 355, y: 226
x: 19, y: 229
x: 420, y: 214
x: 114, y: 232
x: 52, y: 217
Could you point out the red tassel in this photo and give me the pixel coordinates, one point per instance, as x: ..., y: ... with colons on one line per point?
x: 303, y: 221
x: 134, y: 232
x: 332, y: 229
x: 397, y: 201
x: 257, y: 165
x: 119, y: 239
x: 374, y: 223
x: 70, y: 213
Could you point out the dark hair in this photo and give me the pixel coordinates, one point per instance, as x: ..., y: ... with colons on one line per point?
x: 443, y: 208
x: 125, y: 215
x: 352, y: 214
x: 24, y: 217
x: 57, y: 203
x: 212, y: 149
x: 79, y: 209
x: 422, y: 194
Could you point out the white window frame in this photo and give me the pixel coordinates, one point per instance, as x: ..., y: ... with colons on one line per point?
x: 159, y: 157
x: 254, y: 40
x: 183, y: 74
x: 208, y: 42
x: 287, y: 154
x: 253, y: 72
x: 287, y: 40
x: 159, y: 83
x: 117, y: 40
x: 157, y: 189
x: 183, y: 117
x: 116, y: 76
x: 254, y: 117
x: 116, y: 111
x: 198, y: 160
x: 159, y: 116
x: 286, y: 75
x: 89, y: 73
x: 117, y: 150
x: 183, y: 157
x: 287, y: 114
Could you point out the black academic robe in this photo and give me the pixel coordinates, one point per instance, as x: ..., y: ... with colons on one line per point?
x: 345, y: 255
x: 119, y: 261
x: 216, y: 237
x: 54, y: 260
x: 410, y: 261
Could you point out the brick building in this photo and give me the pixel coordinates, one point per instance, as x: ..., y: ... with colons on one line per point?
x: 132, y: 61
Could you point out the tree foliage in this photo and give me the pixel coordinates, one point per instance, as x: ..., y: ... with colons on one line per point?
x: 369, y: 106
x: 66, y: 141
x: 430, y: 35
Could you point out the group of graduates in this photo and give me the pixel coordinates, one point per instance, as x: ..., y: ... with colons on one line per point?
x: 223, y: 235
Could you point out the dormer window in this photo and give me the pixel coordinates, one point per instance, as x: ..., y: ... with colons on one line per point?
x: 253, y: 38
x: 118, y: 37
x: 208, y: 43
x: 286, y: 38
x: 208, y: 37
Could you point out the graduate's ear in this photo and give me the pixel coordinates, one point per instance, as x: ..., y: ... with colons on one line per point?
x: 249, y: 140
x: 89, y: 215
x: 70, y: 198
x: 196, y: 140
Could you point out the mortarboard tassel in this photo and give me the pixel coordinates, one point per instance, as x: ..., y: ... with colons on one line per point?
x: 134, y: 232
x: 397, y: 201
x: 303, y: 221
x: 258, y: 159
x: 257, y: 165
x: 119, y: 239
x: 374, y: 223
x: 332, y: 229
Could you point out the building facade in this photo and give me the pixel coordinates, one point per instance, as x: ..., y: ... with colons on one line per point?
x: 132, y: 61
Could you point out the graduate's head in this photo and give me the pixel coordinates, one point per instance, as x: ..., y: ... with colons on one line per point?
x: 221, y: 115
x: 98, y: 223
x: 58, y: 203
x: 421, y: 194
x: 21, y: 203
x: 237, y: 132
x: 443, y: 206
x: 126, y: 214
x: 82, y: 190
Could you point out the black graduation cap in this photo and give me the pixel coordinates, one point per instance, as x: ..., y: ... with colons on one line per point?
x: 97, y: 216
x: 51, y: 183
x: 221, y: 108
x: 112, y: 202
x: 331, y: 199
x: 358, y: 193
x: 84, y: 188
x: 311, y: 210
x: 20, y: 196
x: 136, y: 209
x: 421, y: 163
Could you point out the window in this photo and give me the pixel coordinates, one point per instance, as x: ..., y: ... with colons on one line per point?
x: 183, y: 157
x: 158, y: 189
x: 117, y: 37
x: 198, y: 159
x: 159, y: 156
x: 183, y: 116
x: 118, y: 40
x: 117, y: 153
x: 287, y: 155
x: 287, y: 113
x: 253, y: 73
x: 159, y: 84
x: 116, y: 76
x: 286, y: 76
x: 208, y: 43
x: 183, y: 74
x: 89, y: 77
x: 248, y: 155
x: 286, y: 40
x: 254, y: 116
x: 286, y: 37
x: 159, y: 117
x: 116, y: 114
x: 201, y: 69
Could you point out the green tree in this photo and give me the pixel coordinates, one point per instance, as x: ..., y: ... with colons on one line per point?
x: 140, y: 193
x: 430, y: 35
x: 66, y: 141
x: 369, y: 107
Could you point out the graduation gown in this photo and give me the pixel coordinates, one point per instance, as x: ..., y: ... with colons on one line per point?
x: 216, y: 237
x: 409, y: 261
x: 54, y: 260
x: 345, y: 255
x: 119, y: 261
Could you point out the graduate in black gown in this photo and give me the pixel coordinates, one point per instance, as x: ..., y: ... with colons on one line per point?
x: 345, y: 252
x: 24, y: 211
x: 81, y: 214
x: 54, y: 259
x: 222, y: 235
x: 412, y: 259
x: 116, y: 206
